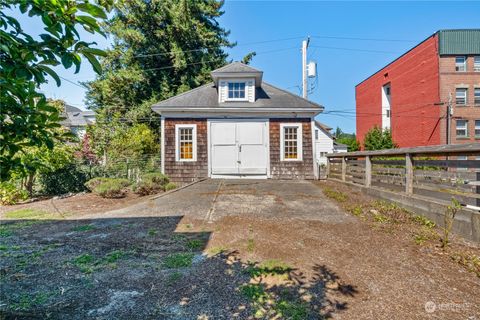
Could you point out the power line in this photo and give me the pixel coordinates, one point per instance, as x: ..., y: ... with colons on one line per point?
x: 363, y: 39
x: 74, y: 83
x: 355, y: 49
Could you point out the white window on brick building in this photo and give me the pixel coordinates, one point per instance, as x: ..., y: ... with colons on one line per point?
x: 462, y: 128
x: 477, y: 96
x: 460, y: 63
x: 476, y: 63
x: 461, y: 96
x: 477, y: 128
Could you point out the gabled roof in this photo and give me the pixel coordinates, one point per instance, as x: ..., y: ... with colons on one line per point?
x: 236, y: 67
x: 75, y: 117
x: 325, y: 129
x: 266, y: 96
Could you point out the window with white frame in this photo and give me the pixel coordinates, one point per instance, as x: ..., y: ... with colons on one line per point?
x: 476, y: 97
x: 186, y: 142
x: 461, y: 96
x: 460, y: 63
x: 477, y: 128
x: 476, y: 63
x: 462, y: 128
x: 291, y: 142
x: 236, y: 91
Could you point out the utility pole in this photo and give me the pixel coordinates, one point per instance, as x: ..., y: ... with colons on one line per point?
x: 449, y: 117
x: 304, y: 67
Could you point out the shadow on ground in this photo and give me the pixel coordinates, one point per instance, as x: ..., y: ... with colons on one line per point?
x: 149, y: 268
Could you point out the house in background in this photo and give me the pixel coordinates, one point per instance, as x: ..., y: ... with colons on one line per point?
x: 238, y: 126
x: 77, y: 120
x: 410, y: 95
x: 325, y: 143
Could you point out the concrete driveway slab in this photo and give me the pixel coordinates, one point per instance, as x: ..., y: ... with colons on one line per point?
x: 211, y: 200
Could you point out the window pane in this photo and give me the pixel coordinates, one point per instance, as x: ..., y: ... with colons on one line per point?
x: 477, y: 128
x: 290, y: 143
x: 186, y: 143
x: 236, y: 90
x: 462, y: 128
x: 477, y: 95
x: 460, y: 64
x: 461, y: 96
x: 476, y: 63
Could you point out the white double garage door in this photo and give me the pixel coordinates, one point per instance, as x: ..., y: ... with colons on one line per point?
x: 238, y: 148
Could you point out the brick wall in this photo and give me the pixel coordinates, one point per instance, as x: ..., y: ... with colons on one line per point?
x: 449, y: 81
x: 414, y: 84
x: 291, y: 169
x: 185, y: 172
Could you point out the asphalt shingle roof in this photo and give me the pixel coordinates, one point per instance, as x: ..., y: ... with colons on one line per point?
x: 266, y: 96
x: 235, y: 67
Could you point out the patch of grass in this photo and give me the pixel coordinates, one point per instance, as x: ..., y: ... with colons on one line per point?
x: 194, y: 244
x: 421, y: 220
x: 424, y: 234
x: 469, y: 261
x: 174, y: 277
x: 336, y: 195
x: 355, y: 210
x: 152, y: 232
x: 28, y: 214
x: 88, y: 264
x: 178, y: 260
x: 27, y: 302
x: 269, y: 267
x: 293, y: 310
x: 213, y: 251
x: 179, y: 238
x: 253, y: 292
x: 7, y: 229
x: 83, y: 228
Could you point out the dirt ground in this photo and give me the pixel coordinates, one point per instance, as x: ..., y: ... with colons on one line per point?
x: 232, y: 262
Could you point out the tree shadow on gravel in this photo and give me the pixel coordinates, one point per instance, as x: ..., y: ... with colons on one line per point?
x: 149, y: 268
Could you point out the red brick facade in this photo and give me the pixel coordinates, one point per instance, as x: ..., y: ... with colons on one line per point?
x: 185, y: 172
x: 414, y: 81
x: 421, y: 84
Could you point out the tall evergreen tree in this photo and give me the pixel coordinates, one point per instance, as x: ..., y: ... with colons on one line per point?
x: 160, y: 48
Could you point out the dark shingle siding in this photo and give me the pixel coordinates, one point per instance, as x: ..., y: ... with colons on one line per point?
x: 459, y: 41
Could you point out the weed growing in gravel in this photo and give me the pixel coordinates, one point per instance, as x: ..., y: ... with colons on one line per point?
x: 83, y: 228
x: 26, y: 302
x: 173, y: 278
x: 469, y: 261
x: 250, y: 241
x: 152, y: 232
x: 421, y: 220
x: 336, y: 195
x: 355, y: 210
x: 6, y: 230
x: 269, y: 267
x: 179, y: 238
x: 88, y: 264
x: 213, y: 251
x: 294, y: 310
x: 178, y: 260
x: 194, y: 244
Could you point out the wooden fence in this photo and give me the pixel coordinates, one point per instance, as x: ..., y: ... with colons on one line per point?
x: 437, y: 172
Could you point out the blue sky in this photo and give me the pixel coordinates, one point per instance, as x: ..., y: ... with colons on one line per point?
x: 339, y: 70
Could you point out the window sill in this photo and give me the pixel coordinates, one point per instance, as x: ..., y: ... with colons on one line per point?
x: 185, y: 160
x: 291, y: 160
x: 463, y: 138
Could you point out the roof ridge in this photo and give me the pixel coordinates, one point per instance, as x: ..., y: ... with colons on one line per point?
x: 236, y: 63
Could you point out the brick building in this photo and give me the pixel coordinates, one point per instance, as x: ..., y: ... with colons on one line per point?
x: 410, y: 96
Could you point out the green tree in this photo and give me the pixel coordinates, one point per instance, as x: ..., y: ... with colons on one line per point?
x: 348, y: 139
x: 379, y: 139
x: 26, y: 119
x: 160, y: 48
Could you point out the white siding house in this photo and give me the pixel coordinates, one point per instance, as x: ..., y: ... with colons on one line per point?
x: 325, y: 143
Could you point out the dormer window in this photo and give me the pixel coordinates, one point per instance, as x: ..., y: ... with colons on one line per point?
x: 236, y: 91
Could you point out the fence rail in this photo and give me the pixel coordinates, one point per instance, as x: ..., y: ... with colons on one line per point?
x: 437, y: 172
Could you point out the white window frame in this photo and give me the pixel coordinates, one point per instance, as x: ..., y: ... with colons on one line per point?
x: 477, y: 127
x: 245, y: 98
x: 461, y: 65
x: 476, y: 63
x: 299, y: 141
x: 465, y: 96
x: 177, y: 142
x: 476, y: 99
x: 464, y: 127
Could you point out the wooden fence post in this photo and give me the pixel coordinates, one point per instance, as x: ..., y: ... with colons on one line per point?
x: 344, y: 169
x: 368, y: 171
x: 408, y: 173
x: 327, y: 173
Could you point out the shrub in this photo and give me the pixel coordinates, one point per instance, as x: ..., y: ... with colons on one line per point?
x: 170, y: 186
x: 10, y: 194
x: 64, y: 180
x: 144, y: 188
x: 112, y: 188
x: 151, y: 183
x: 95, y: 182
